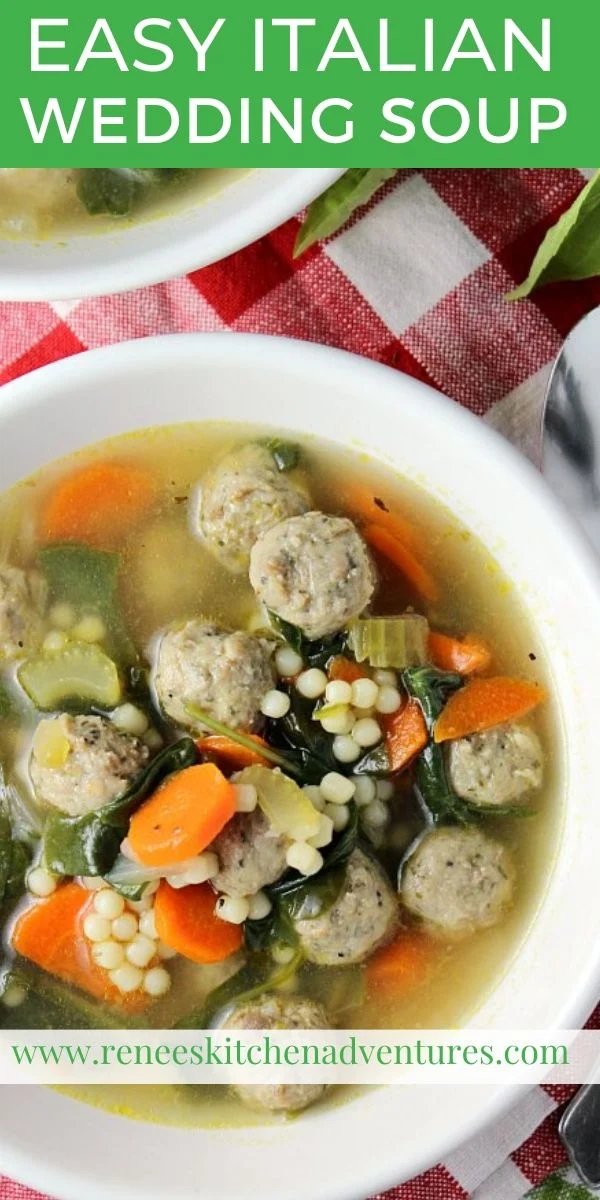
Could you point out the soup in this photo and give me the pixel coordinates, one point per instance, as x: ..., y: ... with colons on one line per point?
x: 40, y: 203
x: 314, y: 711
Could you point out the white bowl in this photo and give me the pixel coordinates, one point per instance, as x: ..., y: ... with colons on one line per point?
x: 347, y: 1153
x: 131, y: 256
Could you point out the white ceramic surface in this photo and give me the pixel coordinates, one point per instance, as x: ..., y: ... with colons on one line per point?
x: 132, y: 256
x: 349, y: 1152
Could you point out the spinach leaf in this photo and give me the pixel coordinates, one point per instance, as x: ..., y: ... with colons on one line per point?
x: 317, y: 652
x: 88, y: 845
x: 7, y: 706
x: 5, y: 848
x: 571, y: 248
x: 286, y: 455
x: 89, y: 579
x: 261, y: 935
x: 295, y: 897
x: 256, y: 977
x: 15, y: 857
x: 431, y: 689
x: 330, y: 211
x: 313, y: 897
x: 117, y: 192
x: 318, y: 892
x: 439, y: 798
x: 103, y: 191
x: 374, y: 762
x: 50, y: 1004
x: 19, y: 866
x: 303, y: 740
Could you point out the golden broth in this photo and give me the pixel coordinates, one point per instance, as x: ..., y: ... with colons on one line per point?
x: 43, y: 203
x: 475, y: 596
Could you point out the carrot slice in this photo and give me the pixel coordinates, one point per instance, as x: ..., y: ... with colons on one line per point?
x: 186, y: 921
x: 404, y: 964
x: 231, y: 755
x: 49, y: 934
x: 97, y: 504
x: 483, y: 703
x: 183, y: 817
x: 464, y: 657
x: 403, y: 558
x: 405, y: 734
x: 371, y: 510
x: 345, y: 669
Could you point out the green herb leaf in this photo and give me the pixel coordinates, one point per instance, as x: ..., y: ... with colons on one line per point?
x: 89, y: 580
x: 257, y: 976
x: 330, y: 211
x: 431, y: 689
x: 286, y: 455
x: 7, y: 706
x: 89, y: 845
x: 15, y: 857
x: 5, y: 848
x: 335, y: 856
x: 571, y: 248
x: 306, y: 746
x: 315, y: 653
x: 49, y: 1004
x: 105, y: 191
x: 314, y: 897
x: 374, y: 762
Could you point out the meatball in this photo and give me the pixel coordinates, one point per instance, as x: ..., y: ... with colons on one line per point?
x: 278, y: 1012
x: 496, y: 767
x: 22, y: 602
x: 226, y: 674
x: 364, y: 916
x: 98, y: 763
x: 458, y: 880
x: 251, y: 854
x: 241, y: 498
x: 313, y: 571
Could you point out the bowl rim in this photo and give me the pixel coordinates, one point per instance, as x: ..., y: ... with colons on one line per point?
x: 189, y: 249
x: 314, y: 358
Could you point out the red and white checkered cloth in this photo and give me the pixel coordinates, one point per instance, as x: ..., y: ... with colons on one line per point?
x: 417, y: 282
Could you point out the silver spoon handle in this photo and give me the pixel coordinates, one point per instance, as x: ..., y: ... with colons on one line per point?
x: 579, y: 1130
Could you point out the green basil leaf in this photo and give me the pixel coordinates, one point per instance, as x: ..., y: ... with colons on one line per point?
x: 88, y: 845
x: 571, y: 248
x: 330, y: 211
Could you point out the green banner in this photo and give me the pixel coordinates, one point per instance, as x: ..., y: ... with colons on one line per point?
x: 236, y: 84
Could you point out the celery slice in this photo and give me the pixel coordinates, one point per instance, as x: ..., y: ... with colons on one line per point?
x: 285, y: 805
x: 81, y: 672
x: 398, y: 642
